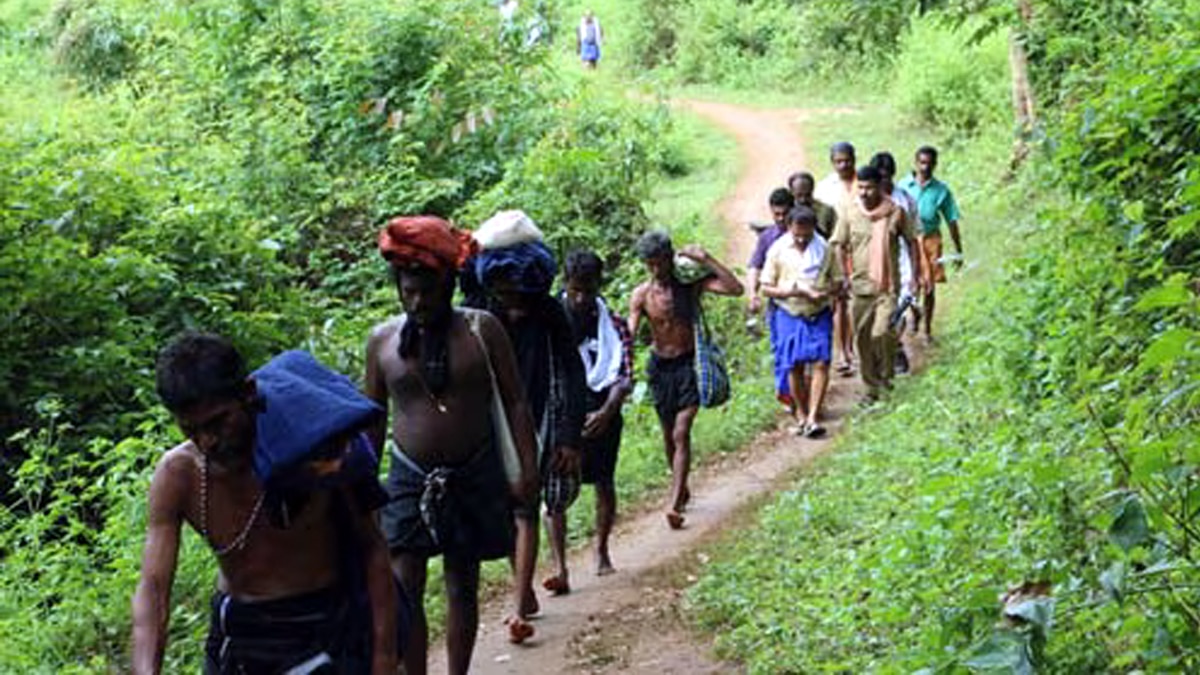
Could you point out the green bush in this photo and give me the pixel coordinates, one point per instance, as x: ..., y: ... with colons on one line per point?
x: 1027, y: 504
x: 947, y: 82
x: 226, y: 167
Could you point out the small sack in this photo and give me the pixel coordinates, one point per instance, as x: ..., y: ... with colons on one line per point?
x: 505, y: 229
x: 689, y: 271
x: 503, y: 432
x: 712, y: 378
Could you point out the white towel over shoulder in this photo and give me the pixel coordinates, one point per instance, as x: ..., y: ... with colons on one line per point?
x: 605, y: 367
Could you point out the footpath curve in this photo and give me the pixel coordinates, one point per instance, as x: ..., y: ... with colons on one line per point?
x: 628, y: 622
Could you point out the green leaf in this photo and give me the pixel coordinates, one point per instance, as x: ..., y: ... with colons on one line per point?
x: 1129, y: 527
x: 1000, y: 652
x: 1112, y: 580
x: 1172, y: 293
x: 1037, y: 611
x: 1166, y: 349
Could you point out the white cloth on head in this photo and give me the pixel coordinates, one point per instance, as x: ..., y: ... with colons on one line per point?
x: 507, y: 228
x: 602, y: 354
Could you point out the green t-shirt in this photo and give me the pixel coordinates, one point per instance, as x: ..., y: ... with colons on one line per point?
x: 935, y: 203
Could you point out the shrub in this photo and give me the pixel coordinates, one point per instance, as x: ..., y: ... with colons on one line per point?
x: 944, y: 80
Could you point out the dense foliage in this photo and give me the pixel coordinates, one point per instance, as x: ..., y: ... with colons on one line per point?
x: 225, y: 165
x: 1027, y: 504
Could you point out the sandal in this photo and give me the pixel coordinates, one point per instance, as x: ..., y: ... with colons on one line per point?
x: 814, y: 430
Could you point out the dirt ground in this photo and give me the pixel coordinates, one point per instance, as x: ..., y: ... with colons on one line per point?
x: 631, y: 621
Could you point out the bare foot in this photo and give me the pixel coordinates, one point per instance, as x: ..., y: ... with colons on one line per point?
x: 557, y: 584
x: 519, y: 630
x: 674, y: 520
x: 604, y: 566
x: 529, y: 605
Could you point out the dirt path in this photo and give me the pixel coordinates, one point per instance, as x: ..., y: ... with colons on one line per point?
x: 629, y: 622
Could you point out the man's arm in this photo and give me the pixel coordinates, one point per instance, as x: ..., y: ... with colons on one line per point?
x: 950, y: 213
x: 957, y: 238
x: 752, y: 280
x: 375, y: 385
x: 635, y: 309
x: 152, y: 599
x: 723, y: 282
x: 512, y: 394
x: 841, y: 246
x: 381, y: 591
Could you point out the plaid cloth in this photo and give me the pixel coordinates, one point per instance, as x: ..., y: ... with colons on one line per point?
x: 622, y: 328
x: 712, y: 379
x: 559, y: 490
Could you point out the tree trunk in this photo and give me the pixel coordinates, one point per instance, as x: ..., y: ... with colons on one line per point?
x: 1024, y: 111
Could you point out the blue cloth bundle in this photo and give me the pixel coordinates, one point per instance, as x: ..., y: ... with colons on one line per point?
x: 531, y: 265
x: 305, y: 407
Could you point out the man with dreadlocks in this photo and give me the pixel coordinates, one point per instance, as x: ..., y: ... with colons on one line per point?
x: 671, y: 309
x: 440, y: 367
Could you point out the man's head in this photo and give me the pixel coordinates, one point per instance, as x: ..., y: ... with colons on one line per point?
x: 802, y: 184
x: 584, y: 273
x: 868, y: 186
x: 886, y: 164
x: 841, y: 156
x: 202, y: 380
x: 926, y: 161
x: 425, y: 292
x: 655, y: 250
x: 802, y: 223
x: 781, y: 201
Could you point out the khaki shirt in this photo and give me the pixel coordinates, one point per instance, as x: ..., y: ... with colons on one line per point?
x: 815, y: 267
x: 854, y: 232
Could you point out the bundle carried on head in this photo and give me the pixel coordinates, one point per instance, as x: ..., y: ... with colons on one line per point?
x: 512, y: 249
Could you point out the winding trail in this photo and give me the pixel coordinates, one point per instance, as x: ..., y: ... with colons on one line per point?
x: 629, y: 621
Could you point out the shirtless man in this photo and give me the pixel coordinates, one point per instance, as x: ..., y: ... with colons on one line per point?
x: 671, y: 309
x: 282, y: 602
x: 452, y: 484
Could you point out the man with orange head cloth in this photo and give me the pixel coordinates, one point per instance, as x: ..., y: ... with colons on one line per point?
x: 456, y: 471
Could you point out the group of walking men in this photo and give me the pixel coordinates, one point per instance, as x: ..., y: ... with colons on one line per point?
x: 841, y: 267
x: 499, y: 410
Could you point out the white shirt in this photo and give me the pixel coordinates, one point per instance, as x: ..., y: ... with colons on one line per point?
x: 909, y: 206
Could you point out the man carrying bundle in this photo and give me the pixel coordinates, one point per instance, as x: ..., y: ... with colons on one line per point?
x: 672, y: 310
x: 456, y: 470
x: 516, y: 270
x: 278, y: 477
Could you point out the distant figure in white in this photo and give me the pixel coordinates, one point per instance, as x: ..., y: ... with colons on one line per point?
x: 588, y: 38
x: 508, y: 9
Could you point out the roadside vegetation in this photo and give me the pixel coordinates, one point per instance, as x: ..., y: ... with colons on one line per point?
x: 1026, y: 504
x: 225, y: 166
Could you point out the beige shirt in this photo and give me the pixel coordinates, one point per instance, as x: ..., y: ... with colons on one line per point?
x: 854, y: 231
x: 815, y: 267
